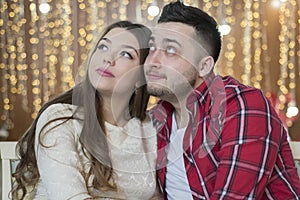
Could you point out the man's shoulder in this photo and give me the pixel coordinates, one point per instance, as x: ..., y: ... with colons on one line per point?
x: 232, y: 85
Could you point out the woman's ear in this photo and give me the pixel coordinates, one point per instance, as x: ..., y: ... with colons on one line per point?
x: 205, y: 66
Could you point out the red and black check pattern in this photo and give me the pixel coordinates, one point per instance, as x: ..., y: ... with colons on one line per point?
x: 235, y: 146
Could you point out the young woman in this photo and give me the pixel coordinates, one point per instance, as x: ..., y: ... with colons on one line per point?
x: 95, y: 140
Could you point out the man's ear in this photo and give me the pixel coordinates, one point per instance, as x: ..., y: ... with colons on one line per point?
x: 205, y: 66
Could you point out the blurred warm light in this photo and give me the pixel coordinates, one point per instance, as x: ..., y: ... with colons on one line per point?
x: 224, y: 29
x: 292, y: 111
x: 276, y: 3
x: 153, y: 10
x: 44, y: 8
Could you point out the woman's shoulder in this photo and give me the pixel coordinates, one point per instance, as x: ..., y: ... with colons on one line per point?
x: 56, y: 113
x: 59, y: 110
x: 59, y: 118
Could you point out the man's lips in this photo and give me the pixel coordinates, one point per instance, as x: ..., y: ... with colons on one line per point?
x: 104, y: 72
x: 154, y: 76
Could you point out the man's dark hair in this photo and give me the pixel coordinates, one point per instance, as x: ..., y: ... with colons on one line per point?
x: 206, y: 27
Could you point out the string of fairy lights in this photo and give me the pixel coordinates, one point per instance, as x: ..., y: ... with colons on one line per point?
x: 288, y: 51
x: 43, y: 43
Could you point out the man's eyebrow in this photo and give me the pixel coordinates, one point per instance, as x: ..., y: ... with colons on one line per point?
x: 168, y: 40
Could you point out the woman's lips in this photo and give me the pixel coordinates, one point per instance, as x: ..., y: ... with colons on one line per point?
x: 104, y: 72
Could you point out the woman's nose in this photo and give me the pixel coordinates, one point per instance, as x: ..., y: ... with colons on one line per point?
x: 108, y: 59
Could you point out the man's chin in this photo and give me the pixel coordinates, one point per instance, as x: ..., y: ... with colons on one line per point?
x: 159, y: 91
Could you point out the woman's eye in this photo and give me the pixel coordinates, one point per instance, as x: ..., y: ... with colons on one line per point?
x: 171, y: 50
x: 126, y: 54
x: 103, y: 47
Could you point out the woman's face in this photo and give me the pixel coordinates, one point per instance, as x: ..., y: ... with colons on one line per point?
x: 115, y: 65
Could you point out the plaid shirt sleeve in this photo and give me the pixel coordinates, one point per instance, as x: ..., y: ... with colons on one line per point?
x: 255, y: 161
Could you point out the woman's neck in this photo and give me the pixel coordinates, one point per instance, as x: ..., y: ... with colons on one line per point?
x: 116, y: 109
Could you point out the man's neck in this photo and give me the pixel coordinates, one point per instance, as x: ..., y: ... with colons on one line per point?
x: 181, y: 114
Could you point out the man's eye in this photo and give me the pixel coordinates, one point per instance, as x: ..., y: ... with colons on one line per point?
x: 171, y: 50
x: 103, y: 47
x: 126, y: 54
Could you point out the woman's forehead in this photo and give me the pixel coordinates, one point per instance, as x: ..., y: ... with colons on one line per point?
x: 121, y: 36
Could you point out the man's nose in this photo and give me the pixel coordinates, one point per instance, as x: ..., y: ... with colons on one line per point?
x: 155, y: 57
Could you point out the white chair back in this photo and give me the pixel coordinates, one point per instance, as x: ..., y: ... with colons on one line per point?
x: 8, y: 154
x: 295, y: 146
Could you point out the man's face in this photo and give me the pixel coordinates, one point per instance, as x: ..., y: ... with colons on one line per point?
x: 170, y: 66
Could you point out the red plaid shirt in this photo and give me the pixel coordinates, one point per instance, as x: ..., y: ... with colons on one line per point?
x: 235, y: 146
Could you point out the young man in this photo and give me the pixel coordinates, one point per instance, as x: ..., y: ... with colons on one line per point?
x: 217, y: 138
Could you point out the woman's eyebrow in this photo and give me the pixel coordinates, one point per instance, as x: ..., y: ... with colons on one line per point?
x: 130, y: 47
x: 123, y: 46
x: 106, y: 39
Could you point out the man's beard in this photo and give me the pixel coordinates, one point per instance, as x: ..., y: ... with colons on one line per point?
x: 160, y: 92
x: 169, y: 94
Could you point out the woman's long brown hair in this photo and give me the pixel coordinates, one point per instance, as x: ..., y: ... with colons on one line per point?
x: 96, y: 148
